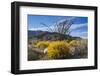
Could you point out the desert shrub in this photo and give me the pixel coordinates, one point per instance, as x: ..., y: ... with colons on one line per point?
x: 69, y: 40
x: 58, y: 49
x: 78, y: 48
x: 35, y: 42
x: 42, y: 44
x: 74, y: 43
x: 83, y: 47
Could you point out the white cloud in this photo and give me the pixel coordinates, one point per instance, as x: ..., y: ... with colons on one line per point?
x: 42, y: 28
x: 82, y: 34
x: 35, y: 29
x: 75, y: 26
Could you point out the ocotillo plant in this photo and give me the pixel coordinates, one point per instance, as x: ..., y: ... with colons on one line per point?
x: 62, y: 26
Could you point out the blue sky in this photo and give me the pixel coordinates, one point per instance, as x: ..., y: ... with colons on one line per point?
x: 79, y: 28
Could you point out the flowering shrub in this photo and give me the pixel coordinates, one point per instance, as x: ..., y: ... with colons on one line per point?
x: 63, y: 49
x: 42, y: 44
x: 58, y: 49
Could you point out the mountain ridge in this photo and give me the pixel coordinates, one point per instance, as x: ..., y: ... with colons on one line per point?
x: 45, y: 35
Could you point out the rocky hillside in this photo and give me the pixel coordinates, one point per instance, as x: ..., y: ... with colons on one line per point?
x: 45, y: 35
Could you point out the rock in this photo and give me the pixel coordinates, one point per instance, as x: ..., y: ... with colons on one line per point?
x: 45, y: 50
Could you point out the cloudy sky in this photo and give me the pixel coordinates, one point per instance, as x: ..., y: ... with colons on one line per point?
x: 79, y: 28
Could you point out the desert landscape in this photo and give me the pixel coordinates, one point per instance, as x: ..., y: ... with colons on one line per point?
x: 57, y: 42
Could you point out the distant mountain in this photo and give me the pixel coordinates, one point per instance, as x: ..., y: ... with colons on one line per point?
x: 45, y: 35
x: 34, y: 33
